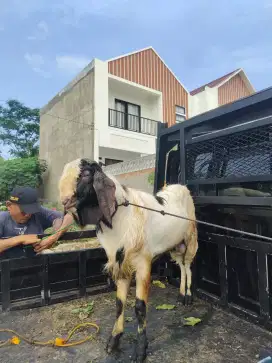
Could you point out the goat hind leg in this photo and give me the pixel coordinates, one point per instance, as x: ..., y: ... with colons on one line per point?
x: 121, y: 297
x: 192, y: 247
x: 143, y: 272
x: 178, y: 257
x: 188, y: 296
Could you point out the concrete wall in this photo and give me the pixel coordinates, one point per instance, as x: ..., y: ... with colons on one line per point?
x: 134, y: 173
x: 137, y: 180
x: 203, y: 101
x: 67, y: 129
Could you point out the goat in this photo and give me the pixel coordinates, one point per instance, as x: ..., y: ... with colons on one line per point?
x: 131, y: 236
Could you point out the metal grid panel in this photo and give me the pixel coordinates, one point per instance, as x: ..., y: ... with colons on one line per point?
x: 243, y: 154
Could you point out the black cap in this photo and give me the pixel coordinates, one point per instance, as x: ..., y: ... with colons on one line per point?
x: 26, y: 198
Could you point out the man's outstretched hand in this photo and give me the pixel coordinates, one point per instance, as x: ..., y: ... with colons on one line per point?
x: 61, y: 226
x: 46, y: 243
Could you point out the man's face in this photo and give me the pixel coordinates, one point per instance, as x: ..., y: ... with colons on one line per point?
x: 16, y: 214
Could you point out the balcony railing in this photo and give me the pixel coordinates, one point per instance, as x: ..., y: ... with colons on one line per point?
x: 126, y: 121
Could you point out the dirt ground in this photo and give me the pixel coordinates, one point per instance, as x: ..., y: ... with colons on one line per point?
x: 220, y: 337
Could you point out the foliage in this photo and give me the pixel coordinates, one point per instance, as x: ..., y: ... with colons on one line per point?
x: 84, y: 311
x: 19, y: 129
x: 191, y: 321
x: 151, y: 178
x: 20, y: 172
x: 158, y: 283
x: 3, y: 208
x: 165, y: 307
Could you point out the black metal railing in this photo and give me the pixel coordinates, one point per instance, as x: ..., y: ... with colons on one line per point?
x: 126, y: 121
x: 34, y: 281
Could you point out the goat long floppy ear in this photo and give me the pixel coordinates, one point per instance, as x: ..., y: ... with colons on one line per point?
x: 105, y: 192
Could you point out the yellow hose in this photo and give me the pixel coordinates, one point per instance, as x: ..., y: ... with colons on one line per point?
x: 57, y: 342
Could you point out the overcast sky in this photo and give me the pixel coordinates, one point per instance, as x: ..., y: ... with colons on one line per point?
x: 45, y: 43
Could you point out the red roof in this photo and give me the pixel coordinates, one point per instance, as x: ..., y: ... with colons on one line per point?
x: 212, y: 84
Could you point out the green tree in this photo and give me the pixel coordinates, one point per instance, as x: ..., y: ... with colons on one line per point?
x: 20, y: 172
x: 19, y: 129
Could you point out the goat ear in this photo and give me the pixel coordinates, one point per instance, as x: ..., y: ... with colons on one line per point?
x: 105, y: 192
x: 89, y: 215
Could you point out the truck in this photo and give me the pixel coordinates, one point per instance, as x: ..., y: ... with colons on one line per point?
x: 224, y: 156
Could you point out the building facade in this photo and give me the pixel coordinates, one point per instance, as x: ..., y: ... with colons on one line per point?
x: 229, y: 88
x: 110, y: 112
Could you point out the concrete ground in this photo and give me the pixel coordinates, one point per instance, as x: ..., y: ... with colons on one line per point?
x: 221, y: 337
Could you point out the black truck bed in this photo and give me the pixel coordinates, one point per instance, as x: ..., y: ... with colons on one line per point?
x: 220, y: 337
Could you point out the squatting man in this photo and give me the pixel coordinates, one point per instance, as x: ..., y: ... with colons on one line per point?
x: 24, y: 220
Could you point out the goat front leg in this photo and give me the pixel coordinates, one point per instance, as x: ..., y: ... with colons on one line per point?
x: 143, y: 272
x: 121, y: 297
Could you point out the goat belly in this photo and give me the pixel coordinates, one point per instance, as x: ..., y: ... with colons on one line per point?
x: 166, y: 233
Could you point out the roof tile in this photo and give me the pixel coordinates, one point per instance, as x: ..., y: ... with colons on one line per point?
x: 212, y: 84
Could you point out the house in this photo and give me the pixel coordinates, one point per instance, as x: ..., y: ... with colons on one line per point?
x: 110, y: 112
x: 223, y: 90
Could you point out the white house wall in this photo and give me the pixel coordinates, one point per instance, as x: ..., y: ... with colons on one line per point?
x: 106, y: 90
x: 151, y: 104
x: 203, y: 101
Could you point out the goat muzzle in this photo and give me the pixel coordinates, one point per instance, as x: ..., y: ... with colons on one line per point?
x: 69, y: 204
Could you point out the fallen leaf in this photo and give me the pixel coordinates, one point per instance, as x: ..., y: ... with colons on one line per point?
x: 191, y: 321
x: 165, y: 307
x: 158, y: 283
x: 87, y: 309
x: 76, y: 311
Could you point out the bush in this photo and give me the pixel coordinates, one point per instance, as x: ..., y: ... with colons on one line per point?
x: 151, y: 178
x: 3, y: 207
x: 20, y: 172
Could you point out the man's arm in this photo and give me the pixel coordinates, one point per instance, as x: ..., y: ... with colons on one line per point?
x: 60, y: 226
x: 6, y: 243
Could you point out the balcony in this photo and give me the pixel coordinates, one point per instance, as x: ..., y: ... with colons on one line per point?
x: 126, y: 121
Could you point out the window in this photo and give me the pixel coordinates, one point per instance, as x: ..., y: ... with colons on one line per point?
x: 180, y: 114
x: 129, y: 115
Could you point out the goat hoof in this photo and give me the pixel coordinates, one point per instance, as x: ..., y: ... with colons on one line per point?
x: 113, y: 343
x: 181, y: 299
x: 141, y: 345
x: 188, y: 300
x: 185, y: 299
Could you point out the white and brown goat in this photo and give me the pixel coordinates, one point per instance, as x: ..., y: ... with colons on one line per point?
x: 131, y: 236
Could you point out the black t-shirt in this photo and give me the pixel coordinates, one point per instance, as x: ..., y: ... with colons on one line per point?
x: 37, y: 224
